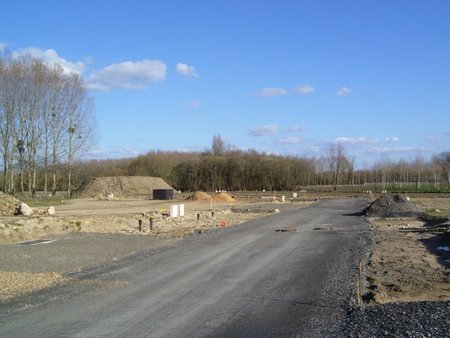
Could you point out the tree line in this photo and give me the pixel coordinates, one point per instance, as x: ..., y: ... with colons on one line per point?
x: 234, y: 170
x: 46, y: 121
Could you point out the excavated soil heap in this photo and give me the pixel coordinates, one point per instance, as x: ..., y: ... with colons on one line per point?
x: 392, y: 206
x: 199, y: 196
x: 8, y: 205
x: 223, y: 197
x: 121, y: 186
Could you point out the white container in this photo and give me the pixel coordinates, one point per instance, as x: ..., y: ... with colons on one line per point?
x: 174, y: 210
x: 181, y: 210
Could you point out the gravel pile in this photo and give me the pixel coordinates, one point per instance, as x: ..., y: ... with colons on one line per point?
x: 415, y: 319
x: 392, y: 206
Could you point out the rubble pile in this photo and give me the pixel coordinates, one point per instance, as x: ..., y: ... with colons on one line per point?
x: 8, y: 205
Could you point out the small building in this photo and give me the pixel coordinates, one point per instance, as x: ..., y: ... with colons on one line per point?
x: 162, y: 194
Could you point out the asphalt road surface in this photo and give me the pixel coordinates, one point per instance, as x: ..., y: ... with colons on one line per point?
x: 252, y: 280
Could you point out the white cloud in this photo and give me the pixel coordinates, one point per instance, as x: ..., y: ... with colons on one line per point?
x: 263, y: 131
x: 51, y: 57
x: 343, y: 91
x: 272, y: 91
x: 304, y: 89
x: 354, y: 140
x: 186, y: 70
x: 391, y: 139
x: 128, y: 75
x: 295, y: 129
x: 191, y: 104
x: 289, y: 140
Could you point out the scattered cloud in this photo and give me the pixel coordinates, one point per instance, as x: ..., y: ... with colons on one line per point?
x: 343, y: 91
x: 51, y: 57
x: 354, y: 140
x: 191, y: 104
x: 186, y: 70
x: 128, y: 75
x: 273, y: 91
x: 263, y: 131
x: 289, y: 140
x: 295, y: 129
x: 304, y: 89
x: 391, y: 139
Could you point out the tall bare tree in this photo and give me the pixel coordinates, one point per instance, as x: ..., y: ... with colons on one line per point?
x: 46, y: 116
x: 337, y: 161
x: 218, y: 145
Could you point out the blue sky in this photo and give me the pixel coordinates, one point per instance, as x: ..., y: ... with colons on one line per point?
x: 284, y: 77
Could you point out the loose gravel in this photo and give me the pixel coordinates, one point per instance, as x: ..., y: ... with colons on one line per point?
x: 415, y: 319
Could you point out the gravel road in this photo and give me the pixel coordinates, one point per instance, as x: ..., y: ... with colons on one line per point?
x: 290, y: 274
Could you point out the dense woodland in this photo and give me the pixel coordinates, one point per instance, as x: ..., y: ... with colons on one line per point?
x: 47, y: 122
x: 248, y: 171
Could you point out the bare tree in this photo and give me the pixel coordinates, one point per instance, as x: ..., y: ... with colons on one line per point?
x: 43, y: 111
x: 81, y: 123
x: 337, y: 161
x: 218, y: 145
x: 443, y: 160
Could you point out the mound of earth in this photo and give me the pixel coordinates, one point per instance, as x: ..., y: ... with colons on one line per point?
x: 121, y: 186
x: 223, y: 197
x: 8, y: 205
x: 199, y: 196
x: 392, y: 206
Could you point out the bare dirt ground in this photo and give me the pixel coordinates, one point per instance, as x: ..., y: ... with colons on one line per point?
x: 405, y: 264
x: 107, y: 230
x: 409, y: 261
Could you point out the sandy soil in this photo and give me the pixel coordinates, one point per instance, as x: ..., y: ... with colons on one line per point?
x: 406, y: 263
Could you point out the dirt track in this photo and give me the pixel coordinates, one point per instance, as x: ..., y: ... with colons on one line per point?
x: 250, y: 280
x: 112, y: 231
x: 88, y: 232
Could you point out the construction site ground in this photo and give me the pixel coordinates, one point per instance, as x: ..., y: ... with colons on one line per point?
x: 405, y: 264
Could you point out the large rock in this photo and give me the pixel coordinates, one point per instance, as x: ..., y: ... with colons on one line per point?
x: 392, y: 206
x: 51, y: 211
x: 25, y: 210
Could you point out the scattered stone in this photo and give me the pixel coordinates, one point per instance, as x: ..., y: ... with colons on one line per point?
x: 25, y: 210
x: 51, y: 211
